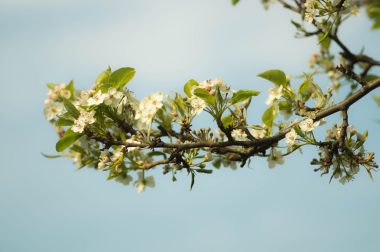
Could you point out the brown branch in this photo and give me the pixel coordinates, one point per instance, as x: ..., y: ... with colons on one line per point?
x: 259, y: 145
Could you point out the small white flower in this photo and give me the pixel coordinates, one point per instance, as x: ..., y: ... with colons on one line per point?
x: 275, y: 158
x: 310, y: 4
x: 52, y: 94
x: 212, y: 85
x: 148, y: 107
x: 219, y: 83
x: 291, y: 138
x: 52, y: 109
x: 117, y: 154
x: 133, y: 142
x: 84, y: 97
x: 239, y: 135
x: 103, y: 159
x: 143, y: 182
x: 197, y: 105
x: 85, y: 117
x: 78, y: 126
x: 308, y: 125
x: 125, y: 180
x: 113, y: 97
x: 97, y: 99
x: 309, y: 17
x: 274, y: 93
x: 258, y: 133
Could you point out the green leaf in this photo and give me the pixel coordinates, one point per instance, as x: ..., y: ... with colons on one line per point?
x: 71, y: 88
x: 268, y: 117
x: 306, y: 89
x: 243, y: 95
x: 50, y: 156
x: 299, y: 132
x: 284, y: 105
x: 203, y: 171
x: 192, y: 180
x: 121, y: 77
x: 325, y: 43
x: 275, y: 76
x: 71, y: 108
x: 376, y: 25
x: 103, y: 77
x: 377, y: 99
x: 235, y: 2
x: 67, y: 140
x: 64, y: 122
x: 371, y: 77
x: 227, y: 121
x: 50, y: 85
x: 188, y: 86
x: 205, y: 95
x: 157, y: 153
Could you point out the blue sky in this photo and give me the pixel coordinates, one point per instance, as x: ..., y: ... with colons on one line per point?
x: 49, y: 205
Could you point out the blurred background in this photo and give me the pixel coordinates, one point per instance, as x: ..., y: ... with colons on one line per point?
x: 49, y: 205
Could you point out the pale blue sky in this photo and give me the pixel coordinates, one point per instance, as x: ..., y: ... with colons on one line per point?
x: 48, y: 205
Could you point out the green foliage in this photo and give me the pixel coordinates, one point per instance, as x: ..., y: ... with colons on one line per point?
x: 73, y: 111
x: 275, y: 76
x: 121, y: 77
x: 243, y: 95
x: 268, y: 116
x: 188, y: 86
x: 373, y: 12
x: 205, y: 95
x: 67, y: 140
x: 234, y: 2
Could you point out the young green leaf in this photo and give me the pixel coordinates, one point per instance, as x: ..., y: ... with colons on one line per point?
x: 67, y: 140
x: 305, y: 90
x: 64, y: 122
x: 243, y: 95
x: 71, y: 88
x: 204, y: 95
x: 268, y: 117
x: 227, y: 121
x: 235, y: 2
x: 103, y: 77
x: 275, y: 76
x: 71, y: 108
x: 50, y: 156
x: 188, y: 86
x: 121, y: 77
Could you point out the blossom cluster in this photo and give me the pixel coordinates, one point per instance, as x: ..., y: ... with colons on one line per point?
x: 105, y: 127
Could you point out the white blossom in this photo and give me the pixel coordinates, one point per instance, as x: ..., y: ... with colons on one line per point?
x: 308, y: 125
x: 133, y: 142
x: 103, y: 159
x: 274, y: 93
x: 212, y: 85
x: 85, y: 118
x: 125, y: 180
x: 52, y: 109
x: 113, y: 97
x: 143, y: 182
x: 258, y: 133
x: 275, y: 158
x: 197, y: 105
x: 117, y: 154
x: 148, y: 107
x: 291, y: 138
x: 78, y: 126
x: 96, y: 99
x: 239, y: 135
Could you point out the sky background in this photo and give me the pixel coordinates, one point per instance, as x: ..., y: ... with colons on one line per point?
x: 49, y: 205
